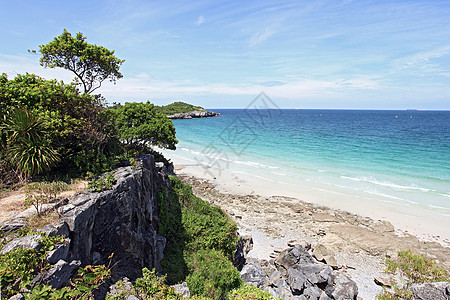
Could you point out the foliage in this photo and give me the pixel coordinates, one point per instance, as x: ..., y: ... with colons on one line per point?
x: 69, y: 123
x: 191, y: 226
x: 23, y: 144
x: 154, y: 287
x: 417, y: 269
x: 105, y: 182
x: 140, y: 126
x: 91, y: 64
x: 212, y: 274
x: 18, y: 267
x: 177, y: 107
x: 88, y: 279
x: 248, y: 291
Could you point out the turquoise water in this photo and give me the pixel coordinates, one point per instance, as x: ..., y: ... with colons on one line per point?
x: 400, y: 156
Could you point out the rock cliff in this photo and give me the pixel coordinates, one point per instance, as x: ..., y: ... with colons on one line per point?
x: 194, y: 114
x: 122, y: 220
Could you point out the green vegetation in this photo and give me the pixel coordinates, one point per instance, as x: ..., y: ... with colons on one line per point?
x: 248, y: 291
x: 140, y: 126
x: 104, y: 182
x: 91, y: 64
x: 417, y: 269
x: 201, y: 240
x: 20, y: 266
x: 177, y: 108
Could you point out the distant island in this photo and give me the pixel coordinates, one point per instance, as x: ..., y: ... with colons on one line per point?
x: 182, y: 110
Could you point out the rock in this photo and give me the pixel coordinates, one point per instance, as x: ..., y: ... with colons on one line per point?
x: 345, y: 288
x: 55, y: 229
x: 321, y: 253
x: 382, y: 227
x: 122, y: 287
x: 182, y: 289
x: 278, y: 287
x: 323, y: 217
x: 292, y: 257
x: 12, y: 226
x: 59, y: 275
x: 17, y: 297
x: 194, y: 114
x: 432, y: 291
x: 311, y: 271
x: 311, y: 292
x: 252, y: 273
x: 383, y: 280
x: 296, y: 281
x: 243, y: 246
x: 26, y: 242
x: 122, y: 221
x: 324, y: 296
x: 132, y: 297
x: 61, y: 252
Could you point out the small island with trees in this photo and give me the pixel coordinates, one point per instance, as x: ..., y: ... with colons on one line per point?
x: 182, y: 110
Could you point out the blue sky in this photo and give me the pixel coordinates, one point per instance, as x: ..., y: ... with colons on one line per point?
x: 309, y: 54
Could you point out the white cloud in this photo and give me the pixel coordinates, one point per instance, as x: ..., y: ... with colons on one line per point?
x: 200, y: 21
x: 262, y: 36
x: 421, y: 62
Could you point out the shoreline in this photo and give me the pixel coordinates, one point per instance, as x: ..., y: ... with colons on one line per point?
x: 359, y: 243
x: 425, y: 224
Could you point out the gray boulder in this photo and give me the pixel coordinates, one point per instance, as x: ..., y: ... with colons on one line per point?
x: 432, y: 291
x: 59, y: 275
x: 252, y: 273
x: 61, y: 252
x: 243, y: 246
x: 182, y: 289
x: 345, y: 288
x: 292, y: 257
x: 26, y: 242
x: 296, y: 280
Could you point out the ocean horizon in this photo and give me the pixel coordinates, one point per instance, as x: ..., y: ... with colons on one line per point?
x: 393, y: 156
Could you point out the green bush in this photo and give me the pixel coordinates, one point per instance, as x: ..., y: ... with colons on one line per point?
x: 212, y: 274
x: 248, y: 291
x: 18, y: 267
x: 416, y: 268
x: 105, y: 182
x: 191, y: 226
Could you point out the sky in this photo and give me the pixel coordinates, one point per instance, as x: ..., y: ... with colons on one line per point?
x: 339, y: 54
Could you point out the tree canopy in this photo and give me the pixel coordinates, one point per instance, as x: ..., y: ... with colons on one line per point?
x: 140, y: 126
x: 91, y: 64
x: 177, y: 107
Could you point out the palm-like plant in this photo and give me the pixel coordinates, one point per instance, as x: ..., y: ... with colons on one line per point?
x: 26, y: 149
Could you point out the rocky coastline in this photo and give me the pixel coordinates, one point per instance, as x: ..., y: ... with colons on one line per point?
x: 194, y: 114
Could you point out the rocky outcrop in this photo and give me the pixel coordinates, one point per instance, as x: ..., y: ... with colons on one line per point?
x: 194, y: 114
x: 432, y: 291
x: 121, y: 221
x: 295, y: 274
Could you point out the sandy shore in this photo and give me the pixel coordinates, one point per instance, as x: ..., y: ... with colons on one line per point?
x: 273, y: 218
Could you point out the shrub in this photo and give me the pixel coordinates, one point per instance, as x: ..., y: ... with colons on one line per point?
x: 190, y: 224
x: 105, y: 182
x: 416, y: 268
x: 248, y: 291
x: 213, y: 275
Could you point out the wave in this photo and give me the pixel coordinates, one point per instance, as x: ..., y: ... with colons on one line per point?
x: 387, y: 184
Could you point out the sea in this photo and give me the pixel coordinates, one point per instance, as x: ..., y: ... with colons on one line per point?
x: 394, y: 156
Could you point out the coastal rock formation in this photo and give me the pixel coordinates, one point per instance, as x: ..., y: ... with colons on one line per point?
x: 122, y: 221
x: 194, y: 114
x: 294, y: 274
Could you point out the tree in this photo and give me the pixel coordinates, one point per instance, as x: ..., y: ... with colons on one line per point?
x: 91, y: 64
x: 140, y: 126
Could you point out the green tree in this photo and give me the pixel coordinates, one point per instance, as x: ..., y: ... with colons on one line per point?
x: 140, y: 126
x: 91, y: 64
x: 72, y: 123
